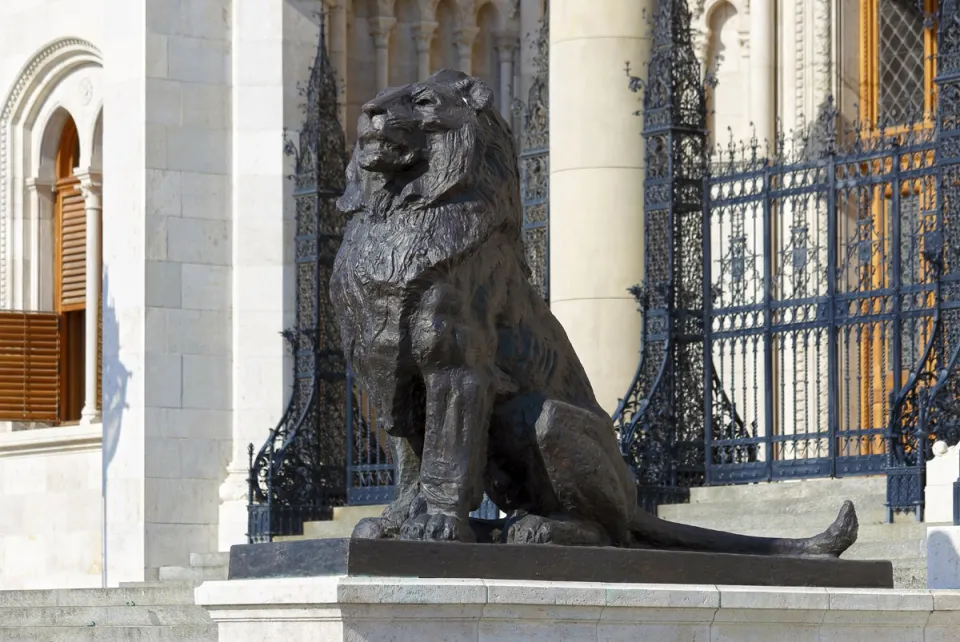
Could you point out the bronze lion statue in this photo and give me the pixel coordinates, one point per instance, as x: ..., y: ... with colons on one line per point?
x: 470, y: 374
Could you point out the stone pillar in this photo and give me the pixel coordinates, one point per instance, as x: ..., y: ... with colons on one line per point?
x: 762, y: 58
x: 506, y: 44
x: 38, y: 293
x: 90, y: 186
x: 465, y: 38
x: 424, y: 36
x: 380, y: 29
x: 596, y: 184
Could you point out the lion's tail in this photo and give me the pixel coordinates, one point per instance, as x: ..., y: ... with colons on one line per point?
x: 651, y: 530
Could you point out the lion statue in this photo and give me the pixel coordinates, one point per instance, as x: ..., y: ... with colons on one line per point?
x: 468, y: 371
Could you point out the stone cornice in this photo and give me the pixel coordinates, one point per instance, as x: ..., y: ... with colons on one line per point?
x: 40, y: 441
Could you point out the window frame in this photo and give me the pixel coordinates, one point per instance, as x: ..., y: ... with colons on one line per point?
x: 870, y: 66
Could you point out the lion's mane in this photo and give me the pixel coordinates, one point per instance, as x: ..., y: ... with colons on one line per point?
x: 470, y: 181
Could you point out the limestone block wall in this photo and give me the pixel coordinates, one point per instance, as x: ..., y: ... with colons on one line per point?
x: 274, y: 45
x: 188, y: 276
x: 51, y: 505
x: 167, y: 276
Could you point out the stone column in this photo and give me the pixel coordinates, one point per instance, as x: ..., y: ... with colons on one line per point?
x: 90, y: 186
x: 424, y: 36
x: 38, y: 293
x: 338, y: 53
x: 506, y: 44
x: 380, y: 29
x: 465, y: 38
x: 762, y: 84
x: 596, y: 184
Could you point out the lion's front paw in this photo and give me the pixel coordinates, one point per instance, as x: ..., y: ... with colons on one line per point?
x: 531, y: 529
x: 534, y: 529
x: 438, y: 528
x: 370, y: 528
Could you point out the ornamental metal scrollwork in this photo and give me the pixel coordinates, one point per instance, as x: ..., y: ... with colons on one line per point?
x: 660, y: 420
x: 299, y: 473
x: 533, y: 118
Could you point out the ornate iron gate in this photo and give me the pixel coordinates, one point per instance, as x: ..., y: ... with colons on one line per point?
x: 809, y: 295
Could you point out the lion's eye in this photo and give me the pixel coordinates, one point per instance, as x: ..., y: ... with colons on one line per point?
x: 423, y: 101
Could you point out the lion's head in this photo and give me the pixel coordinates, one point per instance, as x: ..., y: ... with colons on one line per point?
x: 422, y: 144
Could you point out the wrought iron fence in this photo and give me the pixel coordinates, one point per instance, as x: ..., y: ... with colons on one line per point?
x: 802, y: 302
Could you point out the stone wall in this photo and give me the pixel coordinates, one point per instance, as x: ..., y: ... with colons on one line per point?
x: 51, y: 506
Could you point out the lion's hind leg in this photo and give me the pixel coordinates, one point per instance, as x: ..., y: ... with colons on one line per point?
x: 592, y: 483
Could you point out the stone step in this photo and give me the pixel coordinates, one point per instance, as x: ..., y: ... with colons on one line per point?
x: 189, y: 633
x: 910, y: 549
x: 910, y: 574
x: 839, y: 488
x: 210, y: 559
x: 158, y: 584
x: 354, y: 514
x: 869, y: 508
x: 103, y: 616
x: 196, y: 574
x: 165, y: 595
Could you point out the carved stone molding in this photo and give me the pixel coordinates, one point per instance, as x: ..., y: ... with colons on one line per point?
x: 823, y: 50
x: 380, y: 30
x: 506, y: 44
x: 91, y: 186
x: 465, y: 36
x: 423, y: 34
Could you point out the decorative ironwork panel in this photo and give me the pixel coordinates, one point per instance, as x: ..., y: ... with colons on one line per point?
x: 802, y: 303
x: 534, y: 122
x: 299, y: 473
x: 661, y: 420
x: 926, y: 409
x: 371, y: 470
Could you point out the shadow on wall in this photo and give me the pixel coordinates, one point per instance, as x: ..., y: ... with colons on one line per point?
x: 115, y: 378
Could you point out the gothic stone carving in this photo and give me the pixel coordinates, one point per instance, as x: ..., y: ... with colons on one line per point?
x: 470, y: 373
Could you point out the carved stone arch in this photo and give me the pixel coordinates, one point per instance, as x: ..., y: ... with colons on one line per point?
x: 701, y: 23
x: 509, y: 13
x: 37, y: 78
x: 428, y: 9
x: 384, y: 7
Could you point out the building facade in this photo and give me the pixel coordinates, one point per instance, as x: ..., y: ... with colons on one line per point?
x: 147, y: 220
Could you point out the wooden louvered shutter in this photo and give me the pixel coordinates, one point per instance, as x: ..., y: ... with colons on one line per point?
x: 71, y: 246
x: 29, y: 366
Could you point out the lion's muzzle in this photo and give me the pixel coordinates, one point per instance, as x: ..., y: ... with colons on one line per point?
x: 385, y: 145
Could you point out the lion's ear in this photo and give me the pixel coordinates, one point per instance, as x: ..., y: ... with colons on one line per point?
x: 476, y: 93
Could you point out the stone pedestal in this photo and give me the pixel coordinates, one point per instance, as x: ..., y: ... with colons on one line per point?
x: 537, y: 562
x: 401, y: 609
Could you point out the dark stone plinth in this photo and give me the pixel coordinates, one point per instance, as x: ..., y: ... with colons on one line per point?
x: 396, y: 558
